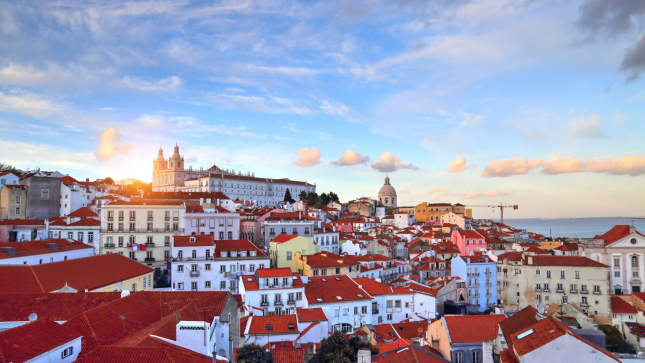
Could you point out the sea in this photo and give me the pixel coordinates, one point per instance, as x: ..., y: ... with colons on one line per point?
x: 572, y: 227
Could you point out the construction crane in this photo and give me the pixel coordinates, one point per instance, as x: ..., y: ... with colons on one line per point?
x: 501, y: 207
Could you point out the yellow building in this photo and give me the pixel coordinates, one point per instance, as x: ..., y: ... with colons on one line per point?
x: 13, y: 202
x: 549, y: 245
x: 327, y: 264
x: 141, y: 231
x: 284, y: 248
x: 424, y: 212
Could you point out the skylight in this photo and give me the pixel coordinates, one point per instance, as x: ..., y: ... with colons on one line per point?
x: 324, y: 280
x: 337, y: 278
x: 269, y: 327
x: 319, y: 300
x: 525, y: 334
x: 360, y: 295
x: 249, y: 279
x: 339, y: 298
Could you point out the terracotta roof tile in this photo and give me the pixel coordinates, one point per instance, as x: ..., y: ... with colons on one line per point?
x: 83, y: 212
x: 313, y: 314
x: 202, y: 240
x: 283, y: 237
x: 521, y: 320
x: 473, y: 328
x: 408, y: 354
x: 39, y: 247
x: 288, y: 355
x: 274, y: 324
x: 55, y: 306
x: 398, y: 343
x: 22, y: 222
x: 567, y: 248
x: 236, y: 245
x: 28, y: 341
x: 163, y: 352
x: 616, y: 233
x: 620, y: 306
x: 508, y: 356
x: 566, y: 261
x: 274, y: 272
x: 327, y: 289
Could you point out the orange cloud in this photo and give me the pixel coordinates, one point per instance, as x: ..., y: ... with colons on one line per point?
x: 308, y: 157
x: 110, y: 145
x: 351, y: 157
x: 490, y: 193
x: 510, y: 166
x: 562, y: 165
x: 459, y: 165
x: 403, y: 191
x: 388, y: 163
x: 624, y: 165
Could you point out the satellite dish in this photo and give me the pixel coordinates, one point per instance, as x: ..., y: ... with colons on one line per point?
x: 540, y: 309
x: 33, y: 317
x: 547, y: 306
x: 121, y: 287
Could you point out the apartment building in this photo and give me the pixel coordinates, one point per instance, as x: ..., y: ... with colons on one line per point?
x: 296, y: 223
x: 480, y: 274
x: 214, y: 220
x: 553, y: 282
x: 272, y: 291
x: 142, y: 231
x: 13, y: 201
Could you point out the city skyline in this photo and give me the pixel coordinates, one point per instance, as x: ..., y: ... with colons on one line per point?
x: 446, y: 98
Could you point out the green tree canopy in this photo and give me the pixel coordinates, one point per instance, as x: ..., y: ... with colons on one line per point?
x: 324, y: 197
x: 333, y: 349
x: 9, y: 168
x: 302, y: 195
x: 253, y: 353
x: 287, y: 197
x: 108, y: 180
x: 613, y: 337
x: 333, y: 197
x: 312, y: 198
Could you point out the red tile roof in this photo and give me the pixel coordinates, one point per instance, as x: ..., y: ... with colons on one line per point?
x: 469, y: 233
x: 519, y: 321
x: 89, y: 272
x: 39, y: 247
x: 28, y: 341
x: 472, y: 328
x: 236, y: 245
x: 620, y: 306
x: 412, y: 330
x: 567, y: 248
x: 313, y: 314
x: 508, y: 356
x: 151, y: 350
x: 87, y: 222
x: 274, y: 324
x: 202, y: 240
x: 513, y: 256
x: 408, y: 354
x: 288, y: 355
x: 281, y: 238
x: 636, y: 329
x: 374, y: 287
x: 616, y: 233
x: 565, y: 261
x: 55, y: 306
x: 124, y: 203
x: 538, y: 250
x: 274, y: 272
x: 398, y: 343
x: 83, y: 212
x: 194, y: 209
x: 327, y: 289
x: 22, y: 222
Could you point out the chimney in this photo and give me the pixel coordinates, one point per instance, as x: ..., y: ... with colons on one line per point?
x: 364, y: 356
x: 632, y: 229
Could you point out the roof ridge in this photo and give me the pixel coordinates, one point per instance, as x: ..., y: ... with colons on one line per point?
x: 36, y: 277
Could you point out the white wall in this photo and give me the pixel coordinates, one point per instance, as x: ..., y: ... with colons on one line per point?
x: 349, y: 318
x: 565, y: 349
x: 55, y: 354
x: 48, y: 257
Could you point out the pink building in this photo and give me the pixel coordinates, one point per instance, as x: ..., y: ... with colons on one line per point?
x: 217, y: 221
x: 251, y: 223
x: 468, y: 241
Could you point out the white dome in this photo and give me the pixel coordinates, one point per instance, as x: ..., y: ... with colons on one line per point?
x: 387, y: 194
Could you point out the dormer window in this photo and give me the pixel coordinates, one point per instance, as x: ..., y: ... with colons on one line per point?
x: 224, y: 254
x: 192, y: 239
x: 242, y: 253
x: 253, y: 253
x: 233, y: 253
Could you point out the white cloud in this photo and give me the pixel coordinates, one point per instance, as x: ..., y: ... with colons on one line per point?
x: 163, y: 85
x: 403, y: 191
x: 307, y: 157
x: 110, y: 144
x: 510, y: 166
x: 590, y: 127
x: 472, y: 120
x: 269, y: 104
x: 459, y: 165
x: 27, y: 103
x: 625, y: 165
x: 563, y: 165
x: 350, y: 157
x: 438, y: 193
x: 389, y: 163
x: 282, y: 70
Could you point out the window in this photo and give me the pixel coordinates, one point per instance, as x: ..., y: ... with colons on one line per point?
x: 616, y: 273
x: 207, y: 284
x: 207, y: 267
x: 565, y: 299
x: 634, y: 273
x: 577, y: 274
x: 389, y: 316
x: 134, y: 286
x: 193, y: 286
x: 548, y: 274
x: 616, y: 262
x: 222, y: 285
x: 458, y: 357
x: 17, y: 210
x: 180, y: 286
x: 230, y: 222
x: 596, y: 289
x: 298, y: 296
x: 562, y: 275
x: 634, y: 261
x: 180, y: 268
x: 477, y: 356
x: 67, y: 352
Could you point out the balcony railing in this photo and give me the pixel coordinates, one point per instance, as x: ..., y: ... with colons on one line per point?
x: 583, y: 291
x: 278, y: 303
x: 110, y: 218
x: 194, y: 273
x: 374, y: 311
x: 150, y: 218
x: 109, y: 245
x: 546, y: 289
x: 145, y: 230
x: 473, y: 274
x: 150, y: 259
x: 488, y: 273
x: 574, y: 291
x: 150, y: 244
x: 584, y: 304
x: 264, y: 303
x: 132, y: 219
x: 291, y: 302
x: 167, y: 219
x: 596, y: 292
x: 559, y: 290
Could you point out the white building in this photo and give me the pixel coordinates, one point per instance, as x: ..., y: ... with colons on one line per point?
x: 403, y: 220
x: 42, y: 251
x: 623, y: 249
x: 201, y: 264
x: 389, y: 304
x: 82, y: 225
x: 296, y: 223
x: 272, y: 291
x: 8, y: 178
x: 327, y: 238
x: 171, y: 175
x: 41, y: 341
x: 75, y: 195
x: 212, y: 219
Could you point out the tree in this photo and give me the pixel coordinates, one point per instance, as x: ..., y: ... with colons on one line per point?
x: 318, y: 205
x: 9, y: 168
x: 312, y: 198
x: 108, y: 180
x: 333, y: 349
x: 613, y: 337
x: 355, y: 344
x: 325, y: 198
x: 287, y: 197
x: 333, y: 197
x: 253, y: 353
x: 302, y: 195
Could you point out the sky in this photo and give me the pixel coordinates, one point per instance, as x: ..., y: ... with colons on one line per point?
x: 535, y: 103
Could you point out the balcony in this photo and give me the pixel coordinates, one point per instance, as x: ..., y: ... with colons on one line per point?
x: 473, y: 274
x: 278, y: 303
x: 584, y: 291
x: 291, y: 302
x: 374, y: 311
x: 596, y: 292
x: 110, y: 219
x: 538, y: 289
x: 109, y: 245
x: 120, y: 219
x: 194, y: 273
x: 488, y: 273
x: 546, y: 289
x: 585, y: 304
x: 573, y: 291
x: 146, y: 230
x: 559, y: 290
x: 264, y: 303
x: 133, y: 219
x: 167, y: 219
x: 150, y: 259
x: 150, y: 219
x: 150, y: 244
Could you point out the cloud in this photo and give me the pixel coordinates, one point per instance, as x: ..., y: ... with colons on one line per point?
x: 563, y: 165
x: 26, y: 103
x: 307, y: 157
x: 470, y: 195
x: 459, y: 165
x: 624, y: 165
x: 587, y: 127
x: 162, y: 85
x: 510, y: 166
x: 110, y: 145
x: 350, y: 157
x: 389, y: 163
x: 490, y: 193
x: 494, y: 193
x: 338, y: 110
x: 403, y: 191
x: 269, y: 104
x: 634, y: 60
x: 439, y: 192
x: 472, y: 120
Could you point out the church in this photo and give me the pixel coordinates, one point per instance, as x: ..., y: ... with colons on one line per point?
x: 387, y: 194
x: 171, y: 175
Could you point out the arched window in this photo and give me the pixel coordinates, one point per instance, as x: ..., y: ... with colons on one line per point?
x: 202, y: 223
x: 193, y: 222
x: 230, y: 222
x: 343, y: 327
x: 230, y: 235
x: 634, y: 261
x: 212, y: 223
x: 392, y: 200
x: 386, y: 201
